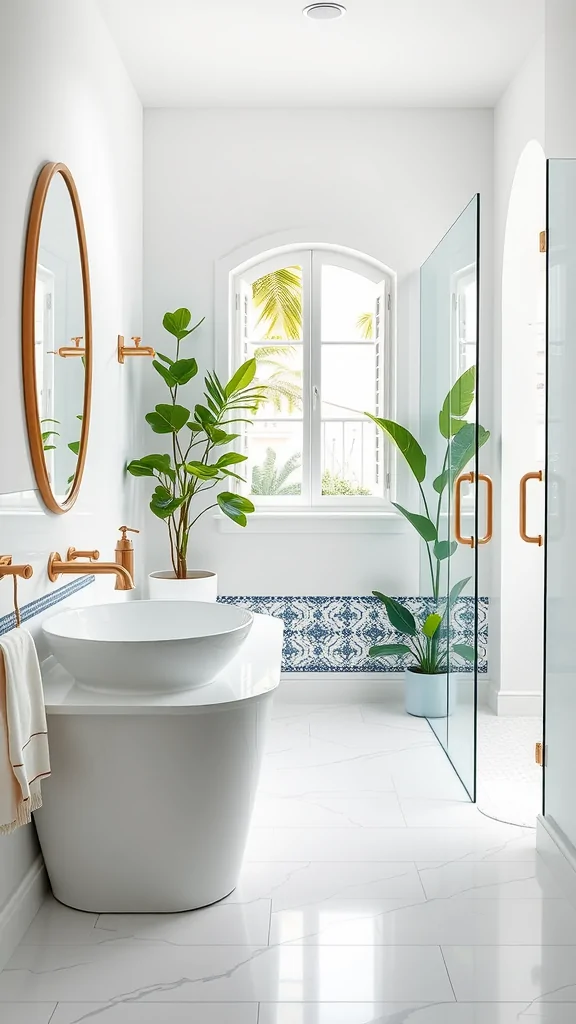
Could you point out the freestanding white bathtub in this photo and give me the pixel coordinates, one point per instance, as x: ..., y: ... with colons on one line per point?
x: 150, y: 799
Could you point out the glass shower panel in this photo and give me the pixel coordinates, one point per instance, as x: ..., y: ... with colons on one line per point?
x: 449, y: 435
x: 560, y: 577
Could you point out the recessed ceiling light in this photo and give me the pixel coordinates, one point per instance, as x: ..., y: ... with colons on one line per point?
x: 324, y: 11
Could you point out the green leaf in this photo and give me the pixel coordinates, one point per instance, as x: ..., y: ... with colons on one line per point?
x: 382, y: 650
x: 400, y: 618
x: 440, y: 482
x: 183, y: 370
x: 165, y: 359
x: 204, y: 416
x: 463, y: 447
x: 167, y: 419
x: 49, y: 433
x: 457, y: 402
x: 148, y: 463
x: 230, y: 459
x: 164, y: 372
x: 228, y: 472
x: 74, y: 447
x: 242, y: 378
x: 200, y: 470
x: 465, y: 651
x: 422, y: 524
x: 219, y: 437
x: 444, y: 549
x: 138, y: 468
x: 457, y: 590
x: 431, y: 624
x: 163, y: 504
x: 235, y: 506
x: 406, y: 444
x: 177, y: 322
x: 50, y: 448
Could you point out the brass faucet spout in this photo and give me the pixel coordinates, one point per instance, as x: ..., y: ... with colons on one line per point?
x: 57, y: 567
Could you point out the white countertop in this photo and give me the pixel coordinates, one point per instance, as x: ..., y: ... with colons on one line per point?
x: 255, y: 671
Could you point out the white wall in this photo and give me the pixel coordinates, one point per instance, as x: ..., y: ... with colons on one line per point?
x: 65, y: 96
x: 518, y: 120
x: 388, y: 183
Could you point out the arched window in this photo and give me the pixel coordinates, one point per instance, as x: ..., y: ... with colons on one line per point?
x: 318, y: 321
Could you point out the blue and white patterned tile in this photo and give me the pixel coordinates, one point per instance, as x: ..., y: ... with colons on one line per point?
x: 42, y: 604
x: 334, y: 634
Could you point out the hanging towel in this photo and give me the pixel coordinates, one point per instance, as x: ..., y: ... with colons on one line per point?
x: 24, y: 758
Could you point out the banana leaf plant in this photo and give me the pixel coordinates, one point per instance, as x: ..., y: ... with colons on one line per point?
x: 427, y: 640
x: 194, y: 465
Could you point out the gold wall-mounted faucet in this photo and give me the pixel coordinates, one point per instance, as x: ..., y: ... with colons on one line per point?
x: 7, y: 569
x: 72, y: 567
x: 137, y: 349
x: 125, y: 550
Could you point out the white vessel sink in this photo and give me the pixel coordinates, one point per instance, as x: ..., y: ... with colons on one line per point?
x: 147, y: 646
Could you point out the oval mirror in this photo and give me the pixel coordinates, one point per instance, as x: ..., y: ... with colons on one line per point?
x: 57, y: 338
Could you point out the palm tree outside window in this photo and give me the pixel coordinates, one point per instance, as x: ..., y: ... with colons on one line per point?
x: 318, y: 321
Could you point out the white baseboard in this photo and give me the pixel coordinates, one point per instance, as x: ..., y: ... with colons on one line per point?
x: 514, y: 702
x: 347, y: 687
x: 21, y: 909
x: 558, y: 855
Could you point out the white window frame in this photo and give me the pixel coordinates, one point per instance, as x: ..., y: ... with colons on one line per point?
x: 312, y: 257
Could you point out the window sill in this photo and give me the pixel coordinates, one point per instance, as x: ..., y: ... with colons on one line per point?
x: 318, y: 521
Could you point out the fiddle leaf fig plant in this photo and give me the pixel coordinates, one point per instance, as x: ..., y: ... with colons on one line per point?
x: 427, y: 640
x: 196, y: 463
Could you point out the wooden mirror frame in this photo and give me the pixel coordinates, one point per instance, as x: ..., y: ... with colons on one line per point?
x: 48, y: 172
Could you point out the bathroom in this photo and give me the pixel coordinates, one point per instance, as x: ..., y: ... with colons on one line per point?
x: 208, y: 146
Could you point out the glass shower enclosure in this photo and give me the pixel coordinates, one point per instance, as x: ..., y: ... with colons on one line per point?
x: 452, y: 435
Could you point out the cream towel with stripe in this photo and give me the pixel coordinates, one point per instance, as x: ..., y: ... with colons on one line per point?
x: 24, y: 757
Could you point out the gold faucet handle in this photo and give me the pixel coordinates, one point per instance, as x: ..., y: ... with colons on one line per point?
x: 72, y: 555
x: 127, y: 529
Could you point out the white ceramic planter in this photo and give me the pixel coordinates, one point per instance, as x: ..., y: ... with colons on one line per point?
x: 200, y: 585
x: 426, y: 696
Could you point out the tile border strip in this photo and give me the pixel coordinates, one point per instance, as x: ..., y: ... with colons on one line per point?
x: 333, y: 634
x: 41, y: 604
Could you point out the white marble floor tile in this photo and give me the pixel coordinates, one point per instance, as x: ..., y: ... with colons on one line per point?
x: 497, y: 842
x: 225, y: 973
x: 222, y: 924
x: 154, y: 1013
x: 489, y: 880
x: 27, y: 1013
x: 513, y: 973
x: 413, y: 1013
x: 437, y: 922
x: 425, y: 773
x: 298, y: 883
x: 365, y: 773
x: 373, y: 737
x: 347, y: 810
x: 428, y: 813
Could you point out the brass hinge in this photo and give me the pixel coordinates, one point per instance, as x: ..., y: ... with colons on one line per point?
x: 543, y: 241
x: 539, y: 754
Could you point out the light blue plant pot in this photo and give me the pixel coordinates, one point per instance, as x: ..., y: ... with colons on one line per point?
x: 427, y: 696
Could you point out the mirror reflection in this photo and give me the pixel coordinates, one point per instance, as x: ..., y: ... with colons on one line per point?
x: 56, y: 337
x: 59, y: 338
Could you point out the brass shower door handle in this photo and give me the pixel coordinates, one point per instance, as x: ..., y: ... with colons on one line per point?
x: 470, y: 478
x: 489, y: 509
x: 464, y: 478
x: 523, y: 484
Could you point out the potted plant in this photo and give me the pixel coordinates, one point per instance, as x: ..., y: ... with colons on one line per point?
x: 427, y: 642
x: 199, y: 460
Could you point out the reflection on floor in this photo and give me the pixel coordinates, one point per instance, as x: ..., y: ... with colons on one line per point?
x: 509, y: 780
x: 372, y: 893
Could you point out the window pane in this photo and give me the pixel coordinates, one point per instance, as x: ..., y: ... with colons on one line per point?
x: 349, y: 381
x: 351, y: 458
x: 348, y: 305
x: 280, y: 369
x: 273, y: 306
x: 274, y: 450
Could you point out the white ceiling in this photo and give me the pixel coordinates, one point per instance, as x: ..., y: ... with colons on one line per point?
x: 207, y: 53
